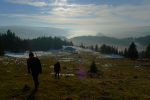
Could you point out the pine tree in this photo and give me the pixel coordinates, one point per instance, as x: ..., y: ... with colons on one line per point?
x: 93, y: 68
x: 82, y: 46
x: 125, y: 53
x: 132, y: 51
x: 103, y: 48
x: 91, y: 47
x: 96, y: 47
x: 147, y: 52
x: 1, y: 46
x: 1, y: 52
x: 121, y: 53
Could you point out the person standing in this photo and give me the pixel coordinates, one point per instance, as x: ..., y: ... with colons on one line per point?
x: 34, y: 67
x: 57, y: 69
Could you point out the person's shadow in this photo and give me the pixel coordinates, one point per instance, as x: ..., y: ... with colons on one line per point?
x: 31, y: 96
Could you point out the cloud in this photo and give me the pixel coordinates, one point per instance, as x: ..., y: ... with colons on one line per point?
x: 87, y: 19
x: 134, y: 12
x: 60, y: 2
x: 34, y: 3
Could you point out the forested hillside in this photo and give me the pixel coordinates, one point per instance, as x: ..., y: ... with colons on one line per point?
x: 10, y: 42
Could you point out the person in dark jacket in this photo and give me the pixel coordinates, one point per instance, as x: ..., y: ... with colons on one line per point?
x: 57, y: 69
x: 34, y: 67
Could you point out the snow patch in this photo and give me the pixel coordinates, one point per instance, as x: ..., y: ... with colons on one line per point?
x: 26, y: 54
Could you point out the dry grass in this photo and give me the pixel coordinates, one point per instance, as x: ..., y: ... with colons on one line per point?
x: 119, y: 79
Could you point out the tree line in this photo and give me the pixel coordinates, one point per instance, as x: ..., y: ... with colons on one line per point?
x: 105, y: 49
x: 10, y: 42
x: 130, y: 52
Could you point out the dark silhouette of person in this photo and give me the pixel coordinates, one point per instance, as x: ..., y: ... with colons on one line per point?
x: 57, y: 69
x: 34, y: 67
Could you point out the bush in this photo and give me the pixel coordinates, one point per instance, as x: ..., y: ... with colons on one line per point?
x: 93, y: 68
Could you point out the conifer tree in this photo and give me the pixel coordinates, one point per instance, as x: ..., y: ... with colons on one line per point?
x: 93, y: 68
x: 125, y: 53
x: 132, y: 51
x: 147, y: 52
x: 96, y: 47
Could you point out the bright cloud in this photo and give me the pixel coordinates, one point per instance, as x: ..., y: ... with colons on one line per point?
x: 35, y: 3
x: 60, y: 2
x: 81, y: 19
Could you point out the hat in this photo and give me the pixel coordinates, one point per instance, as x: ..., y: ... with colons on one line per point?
x: 31, y: 54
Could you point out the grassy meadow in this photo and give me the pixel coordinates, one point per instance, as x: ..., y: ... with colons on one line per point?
x: 117, y: 79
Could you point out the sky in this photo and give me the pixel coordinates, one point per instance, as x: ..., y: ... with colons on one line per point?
x: 79, y: 17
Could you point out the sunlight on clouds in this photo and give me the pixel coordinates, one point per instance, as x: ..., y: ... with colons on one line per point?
x: 60, y: 2
x: 87, y: 19
x: 74, y: 10
x: 35, y: 3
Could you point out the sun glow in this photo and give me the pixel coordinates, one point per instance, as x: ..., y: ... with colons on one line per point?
x: 60, y: 2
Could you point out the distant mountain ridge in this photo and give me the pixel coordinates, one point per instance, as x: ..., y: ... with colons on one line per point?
x: 141, y: 42
x: 138, y: 31
x: 28, y: 32
x: 36, y: 31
